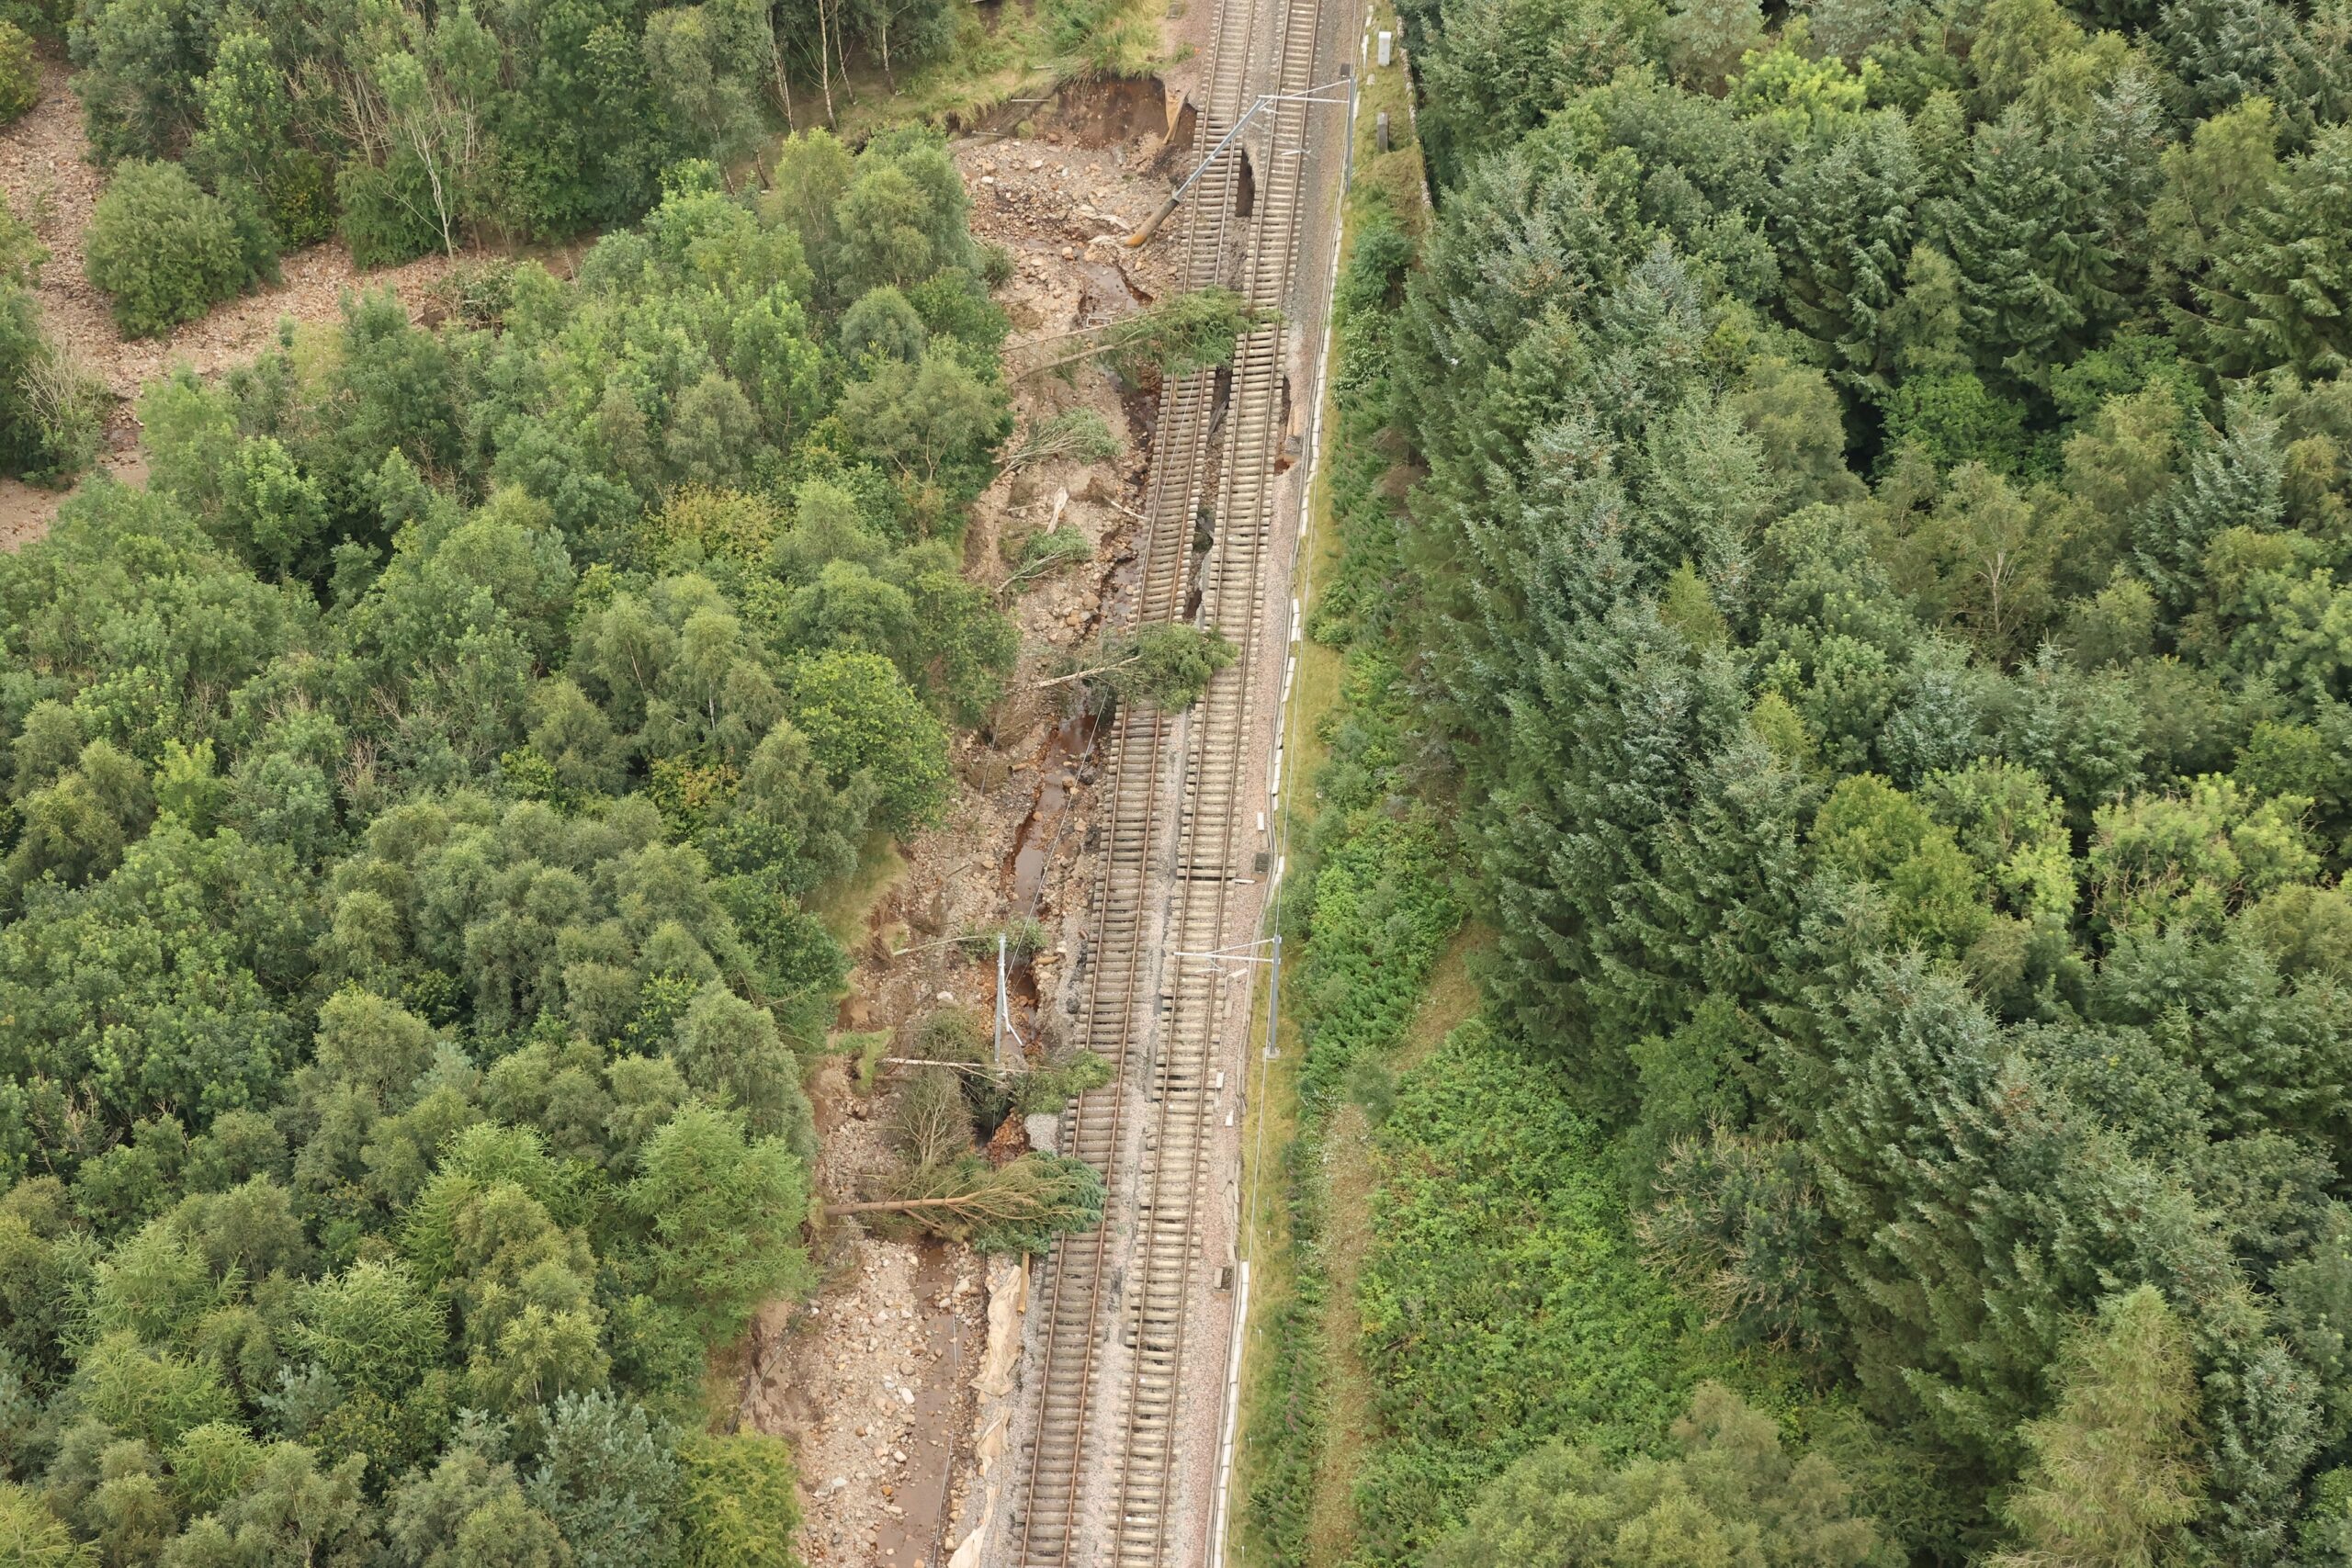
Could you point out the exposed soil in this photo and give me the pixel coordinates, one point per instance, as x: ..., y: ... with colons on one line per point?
x: 27, y: 511
x: 882, y: 1364
x: 49, y: 183
x: 1092, y: 114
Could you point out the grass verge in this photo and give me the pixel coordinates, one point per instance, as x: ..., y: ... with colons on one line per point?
x: 1365, y: 921
x: 1350, y: 1413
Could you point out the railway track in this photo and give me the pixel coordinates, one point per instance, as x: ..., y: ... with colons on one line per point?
x: 1105, y: 1464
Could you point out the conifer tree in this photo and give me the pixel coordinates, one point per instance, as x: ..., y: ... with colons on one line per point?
x: 2280, y: 290
x: 1845, y: 220
x: 2031, y: 235
x: 2234, y: 482
x: 2114, y: 1477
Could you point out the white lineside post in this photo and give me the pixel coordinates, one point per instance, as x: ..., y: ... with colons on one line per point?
x: 1003, y: 1010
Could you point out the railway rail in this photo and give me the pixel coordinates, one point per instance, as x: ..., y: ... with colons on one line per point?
x: 1104, y: 1462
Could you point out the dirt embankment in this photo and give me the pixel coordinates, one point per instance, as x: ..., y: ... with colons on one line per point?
x: 873, y: 1381
x: 49, y: 182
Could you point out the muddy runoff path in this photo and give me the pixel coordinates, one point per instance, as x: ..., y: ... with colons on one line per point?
x: 896, y: 1383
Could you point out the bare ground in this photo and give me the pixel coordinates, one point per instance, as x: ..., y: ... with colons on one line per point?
x: 48, y: 182
x: 872, y: 1381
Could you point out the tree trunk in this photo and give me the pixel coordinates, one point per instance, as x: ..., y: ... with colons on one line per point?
x: 783, y: 82
x: 896, y: 1206
x: 1082, y: 674
x: 841, y: 51
x: 825, y: 61
x: 440, y: 198
x: 1096, y: 351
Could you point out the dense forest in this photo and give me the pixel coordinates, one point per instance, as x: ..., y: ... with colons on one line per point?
x: 1846, y: 586
x: 415, y: 798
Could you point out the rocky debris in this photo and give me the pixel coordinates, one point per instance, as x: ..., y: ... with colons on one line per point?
x: 869, y: 1382
x: 1045, y: 1131
x: 1047, y: 202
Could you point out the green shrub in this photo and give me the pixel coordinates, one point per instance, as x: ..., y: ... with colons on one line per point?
x: 166, y: 251
x: 301, y: 199
x: 19, y: 73
x: 64, y: 413
x: 741, y: 1507
x: 387, y: 214
x: 51, y: 412
x: 865, y: 1051
x: 1956, y: 419
x: 1023, y: 939
x: 1097, y: 37
x: 20, y: 348
x: 1166, y: 665
x: 1503, y: 1300
x: 40, y: 18
x: 950, y: 1034
x: 1380, y: 917
x: 1037, y: 555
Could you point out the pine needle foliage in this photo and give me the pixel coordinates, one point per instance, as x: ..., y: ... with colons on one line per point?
x: 2114, y: 1476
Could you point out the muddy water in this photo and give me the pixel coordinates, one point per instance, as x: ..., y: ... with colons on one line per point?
x: 1030, y: 849
x: 1061, y: 763
x: 1108, y: 294
x: 1034, y: 842
x: 915, y: 1538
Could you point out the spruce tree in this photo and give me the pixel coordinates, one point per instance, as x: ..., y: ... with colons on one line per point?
x: 2280, y: 290
x: 1844, y: 219
x: 2235, y: 482
x: 2031, y: 235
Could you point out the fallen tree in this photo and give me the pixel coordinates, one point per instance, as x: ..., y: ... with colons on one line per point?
x: 1178, y: 334
x: 1018, y: 1207
x: 1166, y: 665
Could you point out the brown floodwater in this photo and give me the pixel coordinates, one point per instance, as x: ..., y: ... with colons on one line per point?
x: 916, y: 1537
